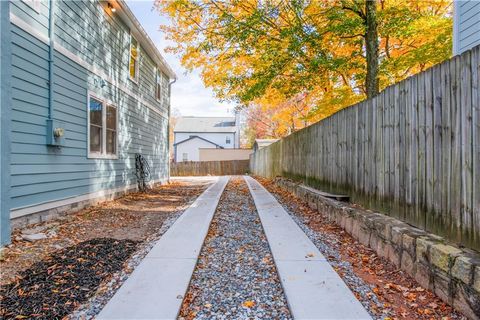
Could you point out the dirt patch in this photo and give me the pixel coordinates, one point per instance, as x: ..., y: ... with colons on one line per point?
x: 135, y: 217
x: 401, y: 296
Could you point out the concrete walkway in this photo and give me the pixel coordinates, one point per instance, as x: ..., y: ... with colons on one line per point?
x: 312, y: 288
x: 156, y: 288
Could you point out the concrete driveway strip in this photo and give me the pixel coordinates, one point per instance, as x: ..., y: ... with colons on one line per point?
x: 312, y: 288
x: 156, y: 287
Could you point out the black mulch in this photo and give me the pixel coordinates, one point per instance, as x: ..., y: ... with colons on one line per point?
x: 54, y: 287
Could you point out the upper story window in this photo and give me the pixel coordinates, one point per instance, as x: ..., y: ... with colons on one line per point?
x: 158, y: 85
x: 133, y: 62
x: 102, y: 129
x: 227, y: 140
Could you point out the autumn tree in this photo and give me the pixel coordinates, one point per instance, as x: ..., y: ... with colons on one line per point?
x: 264, y: 53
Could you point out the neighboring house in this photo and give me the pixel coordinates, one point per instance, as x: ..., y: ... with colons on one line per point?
x: 194, y: 133
x: 466, y: 25
x: 89, y: 91
x: 262, y: 143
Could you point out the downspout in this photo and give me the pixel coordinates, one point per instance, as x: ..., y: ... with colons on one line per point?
x: 51, y: 55
x: 168, y: 125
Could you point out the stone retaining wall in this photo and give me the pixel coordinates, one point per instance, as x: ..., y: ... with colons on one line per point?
x: 452, y: 273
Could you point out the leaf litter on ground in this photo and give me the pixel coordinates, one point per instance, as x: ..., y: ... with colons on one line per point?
x: 55, y: 286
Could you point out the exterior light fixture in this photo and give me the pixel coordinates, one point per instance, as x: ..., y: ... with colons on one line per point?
x: 112, y: 8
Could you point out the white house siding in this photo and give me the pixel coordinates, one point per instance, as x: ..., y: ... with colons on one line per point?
x: 466, y: 33
x: 218, y: 138
x: 191, y: 148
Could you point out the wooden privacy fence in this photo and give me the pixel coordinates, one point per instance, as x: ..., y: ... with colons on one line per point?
x: 213, y: 168
x: 412, y: 152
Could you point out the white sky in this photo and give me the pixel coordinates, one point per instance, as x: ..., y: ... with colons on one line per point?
x: 189, y: 95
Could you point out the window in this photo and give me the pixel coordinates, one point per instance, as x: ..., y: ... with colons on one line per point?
x: 102, y: 132
x: 185, y: 157
x: 227, y: 140
x: 96, y: 125
x: 158, y: 85
x: 133, y: 62
x: 111, y: 128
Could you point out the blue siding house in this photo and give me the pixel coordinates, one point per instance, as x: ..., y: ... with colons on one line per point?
x: 86, y: 90
x: 466, y: 25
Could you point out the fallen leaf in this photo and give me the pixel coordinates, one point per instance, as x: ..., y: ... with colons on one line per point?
x: 248, y: 304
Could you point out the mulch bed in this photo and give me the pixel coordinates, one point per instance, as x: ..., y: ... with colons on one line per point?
x: 54, y: 287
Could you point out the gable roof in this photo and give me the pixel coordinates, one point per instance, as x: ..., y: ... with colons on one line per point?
x: 205, y: 124
x: 197, y: 137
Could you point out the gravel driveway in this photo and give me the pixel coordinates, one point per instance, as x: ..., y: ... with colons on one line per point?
x: 235, y: 275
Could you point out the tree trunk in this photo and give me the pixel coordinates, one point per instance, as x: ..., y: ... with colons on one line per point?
x: 371, y: 44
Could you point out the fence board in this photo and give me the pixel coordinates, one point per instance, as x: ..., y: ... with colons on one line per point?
x: 466, y: 138
x: 476, y: 144
x: 446, y: 143
x: 414, y: 213
x: 456, y: 149
x: 437, y: 145
x: 429, y: 147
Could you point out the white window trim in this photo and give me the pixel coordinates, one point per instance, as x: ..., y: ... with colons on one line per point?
x: 34, y: 4
x: 137, y: 65
x: 103, y: 154
x: 158, y: 73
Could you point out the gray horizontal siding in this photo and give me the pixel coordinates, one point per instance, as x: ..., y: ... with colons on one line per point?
x: 38, y: 20
x: 40, y: 173
x: 83, y: 27
x: 468, y: 25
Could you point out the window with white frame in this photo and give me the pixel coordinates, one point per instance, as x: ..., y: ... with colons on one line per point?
x: 133, y: 62
x: 158, y: 85
x: 227, y: 140
x: 102, y: 121
x: 185, y: 156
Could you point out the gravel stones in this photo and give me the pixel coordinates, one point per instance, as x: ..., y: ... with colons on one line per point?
x: 235, y: 275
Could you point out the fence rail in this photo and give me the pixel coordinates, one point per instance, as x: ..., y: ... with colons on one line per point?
x: 213, y: 168
x: 412, y: 152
